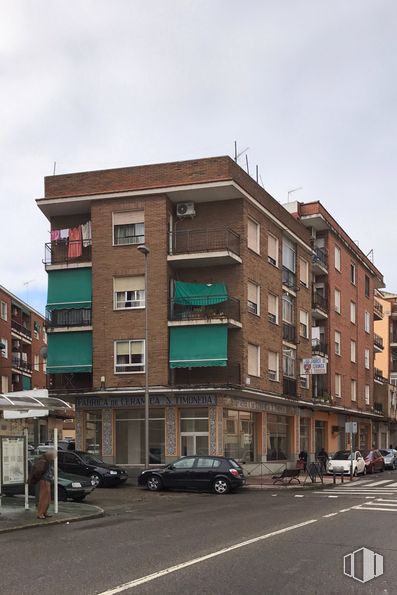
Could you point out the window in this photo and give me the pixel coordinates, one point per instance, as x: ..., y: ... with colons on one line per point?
x: 129, y: 292
x: 273, y: 366
x: 304, y: 323
x: 367, y: 322
x: 337, y: 258
x: 93, y: 432
x: 289, y: 356
x: 366, y: 358
x: 337, y: 343
x: 44, y: 367
x: 304, y: 377
x: 366, y: 394
x: 272, y: 250
x: 254, y: 235
x: 303, y: 272
x: 129, y: 356
x: 353, y: 273
x: 36, y: 329
x: 288, y: 308
x: 186, y: 463
x: 128, y: 228
x: 279, y: 428
x: 253, y: 298
x: 289, y: 255
x: 353, y: 312
x: 207, y: 463
x: 353, y: 390
x: 353, y: 351
x: 3, y: 310
x: 273, y: 308
x: 366, y: 286
x: 338, y: 385
x: 337, y: 301
x: 239, y: 434
x: 36, y: 361
x: 4, y: 384
x: 253, y: 360
x: 44, y: 336
x: 4, y: 351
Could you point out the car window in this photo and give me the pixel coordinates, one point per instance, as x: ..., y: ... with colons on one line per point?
x: 341, y: 455
x: 186, y: 463
x: 207, y: 463
x: 234, y: 464
x: 70, y: 458
x: 385, y: 452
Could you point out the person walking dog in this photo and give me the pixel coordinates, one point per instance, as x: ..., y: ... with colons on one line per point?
x: 42, y: 477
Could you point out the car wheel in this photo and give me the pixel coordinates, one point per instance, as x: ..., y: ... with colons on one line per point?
x: 95, y: 480
x: 221, y: 486
x: 62, y: 494
x: 355, y: 472
x: 154, y: 483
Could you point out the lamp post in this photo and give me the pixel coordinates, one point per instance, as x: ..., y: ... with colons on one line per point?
x: 145, y: 251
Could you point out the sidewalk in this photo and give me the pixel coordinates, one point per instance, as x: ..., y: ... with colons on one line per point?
x: 13, y: 515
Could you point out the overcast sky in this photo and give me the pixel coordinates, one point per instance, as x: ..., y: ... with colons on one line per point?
x: 308, y: 85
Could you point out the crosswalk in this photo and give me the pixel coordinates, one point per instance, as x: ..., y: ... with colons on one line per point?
x: 378, y: 496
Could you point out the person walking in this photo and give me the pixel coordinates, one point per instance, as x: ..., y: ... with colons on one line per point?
x: 42, y: 477
x: 303, y: 459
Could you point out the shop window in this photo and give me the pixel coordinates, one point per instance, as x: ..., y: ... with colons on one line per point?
x: 239, y: 435
x: 278, y: 435
x: 93, y: 432
x: 129, y: 292
x: 128, y: 228
x: 129, y: 357
x: 130, y: 436
x: 194, y: 431
x: 304, y: 433
x: 254, y: 235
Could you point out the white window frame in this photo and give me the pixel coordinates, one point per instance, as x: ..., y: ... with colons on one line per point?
x: 270, y: 259
x: 289, y: 303
x: 353, y: 351
x: 258, y: 358
x: 4, y: 351
x: 337, y: 258
x: 289, y: 251
x: 273, y: 317
x: 142, y: 341
x: 353, y: 273
x: 353, y: 389
x: 276, y: 376
x: 304, y: 378
x: 366, y: 358
x: 338, y: 386
x: 338, y: 342
x: 257, y: 247
x: 289, y: 362
x: 135, y: 300
x: 367, y: 321
x: 366, y: 394
x: 353, y: 312
x: 303, y: 268
x: 337, y: 299
x: 257, y: 303
x: 304, y: 325
x: 4, y: 311
x: 141, y: 237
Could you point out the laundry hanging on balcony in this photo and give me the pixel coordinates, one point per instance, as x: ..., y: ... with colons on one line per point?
x: 198, y: 346
x: 199, y: 294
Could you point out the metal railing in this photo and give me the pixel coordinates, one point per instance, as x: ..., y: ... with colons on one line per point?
x: 64, y: 251
x: 20, y: 328
x: 319, y: 347
x: 72, y: 382
x: 289, y: 332
x: 289, y: 278
x: 205, y: 240
x: 320, y: 256
x: 378, y: 308
x: 289, y: 386
x: 202, y: 309
x: 378, y: 341
x: 20, y: 364
x: 378, y: 375
x: 209, y: 376
x: 72, y: 317
x: 319, y: 301
x: 378, y: 407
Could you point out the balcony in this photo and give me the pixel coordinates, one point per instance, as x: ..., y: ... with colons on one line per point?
x: 378, y: 310
x: 378, y: 343
x: 289, y: 387
x: 73, y: 317
x: 21, y: 329
x: 289, y: 332
x: 21, y: 365
x: 319, y: 306
x: 319, y: 261
x: 70, y: 383
x: 208, y: 376
x: 204, y: 247
x: 203, y: 312
x: 378, y: 407
x: 319, y: 347
x: 289, y: 279
x: 65, y: 252
x: 378, y: 376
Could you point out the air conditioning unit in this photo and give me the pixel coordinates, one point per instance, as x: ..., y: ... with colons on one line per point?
x: 185, y: 209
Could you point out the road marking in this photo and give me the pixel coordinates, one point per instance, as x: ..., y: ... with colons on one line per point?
x: 299, y: 496
x: 377, y: 503
x: 385, y: 500
x: 326, y: 516
x: 166, y: 571
x: 374, y: 508
x: 378, y: 483
x: 333, y: 496
x: 392, y: 485
x: 344, y: 509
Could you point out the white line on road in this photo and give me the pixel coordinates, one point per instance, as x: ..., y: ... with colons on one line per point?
x: 378, y: 483
x: 377, y: 503
x: 333, y: 496
x: 374, y: 508
x: 155, y: 575
x: 385, y: 500
x: 392, y: 485
x: 326, y: 516
x: 299, y: 496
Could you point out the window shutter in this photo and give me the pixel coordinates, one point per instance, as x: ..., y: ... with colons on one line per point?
x: 272, y: 304
x: 252, y: 293
x: 129, y: 283
x: 128, y: 217
x: 272, y: 360
x: 122, y: 348
x: 272, y: 248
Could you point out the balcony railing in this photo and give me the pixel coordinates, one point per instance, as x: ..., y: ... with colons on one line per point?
x: 289, y: 386
x: 20, y: 364
x: 378, y: 375
x: 65, y: 251
x: 320, y: 301
x: 378, y: 309
x: 71, y: 382
x: 72, y: 317
x: 289, y: 278
x: 393, y: 366
x: 21, y: 328
x: 229, y: 309
x: 320, y: 257
x: 289, y: 332
x: 205, y: 240
x: 378, y: 407
x: 319, y: 347
x: 209, y: 376
x: 378, y: 341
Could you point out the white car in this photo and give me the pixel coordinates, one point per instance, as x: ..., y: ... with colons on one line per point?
x: 340, y: 462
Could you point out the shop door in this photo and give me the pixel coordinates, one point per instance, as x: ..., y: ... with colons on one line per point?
x: 194, y: 443
x: 320, y: 435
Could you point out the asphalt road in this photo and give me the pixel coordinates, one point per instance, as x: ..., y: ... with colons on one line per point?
x: 296, y: 543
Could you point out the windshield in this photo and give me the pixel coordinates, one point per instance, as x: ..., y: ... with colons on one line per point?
x: 385, y: 453
x: 341, y: 455
x: 90, y: 459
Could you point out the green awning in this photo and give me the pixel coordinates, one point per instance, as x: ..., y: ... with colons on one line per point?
x: 69, y: 288
x: 199, y: 294
x: 69, y: 352
x: 26, y: 383
x: 198, y: 346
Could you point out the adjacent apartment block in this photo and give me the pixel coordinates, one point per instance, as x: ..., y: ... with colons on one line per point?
x: 344, y: 308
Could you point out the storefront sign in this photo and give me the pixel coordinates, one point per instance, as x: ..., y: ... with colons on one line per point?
x: 252, y: 405
x: 139, y: 401
x: 12, y: 460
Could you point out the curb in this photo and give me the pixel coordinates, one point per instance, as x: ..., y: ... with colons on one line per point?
x: 72, y: 519
x: 311, y: 486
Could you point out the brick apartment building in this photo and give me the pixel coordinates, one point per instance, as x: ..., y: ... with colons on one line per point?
x: 229, y: 297
x: 345, y: 282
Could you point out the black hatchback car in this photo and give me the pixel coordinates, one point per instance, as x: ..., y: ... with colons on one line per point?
x: 82, y: 463
x: 199, y: 473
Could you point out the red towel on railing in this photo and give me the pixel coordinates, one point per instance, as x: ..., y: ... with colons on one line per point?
x: 75, y: 247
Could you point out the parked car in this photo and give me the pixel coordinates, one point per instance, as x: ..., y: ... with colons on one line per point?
x: 219, y: 474
x: 62, y: 445
x: 341, y: 462
x: 83, y: 463
x: 373, y: 460
x: 390, y: 457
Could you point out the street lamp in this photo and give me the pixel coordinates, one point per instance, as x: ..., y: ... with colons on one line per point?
x: 145, y: 251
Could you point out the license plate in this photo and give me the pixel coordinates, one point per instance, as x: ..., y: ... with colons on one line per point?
x: 113, y: 473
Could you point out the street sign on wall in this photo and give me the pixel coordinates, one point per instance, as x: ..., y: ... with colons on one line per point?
x: 315, y: 365
x: 351, y: 427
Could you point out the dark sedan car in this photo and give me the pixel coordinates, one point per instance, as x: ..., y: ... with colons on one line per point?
x: 82, y: 463
x: 199, y: 473
x: 374, y: 460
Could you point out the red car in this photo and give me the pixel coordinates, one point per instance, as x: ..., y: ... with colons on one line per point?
x: 374, y: 460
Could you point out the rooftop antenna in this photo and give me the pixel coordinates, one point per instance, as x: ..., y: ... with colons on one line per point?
x: 257, y: 174
x: 370, y: 255
x: 237, y: 154
x: 293, y: 190
x: 54, y: 168
x: 248, y: 167
x: 260, y: 177
x: 26, y: 285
